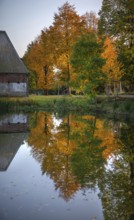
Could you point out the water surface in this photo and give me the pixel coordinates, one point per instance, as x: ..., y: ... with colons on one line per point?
x: 71, y: 167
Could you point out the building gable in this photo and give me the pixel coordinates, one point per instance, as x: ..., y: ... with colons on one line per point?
x: 9, y: 59
x: 13, y: 72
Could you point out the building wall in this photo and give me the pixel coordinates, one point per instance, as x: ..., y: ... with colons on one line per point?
x: 13, y: 89
x: 13, y: 77
x: 13, y: 84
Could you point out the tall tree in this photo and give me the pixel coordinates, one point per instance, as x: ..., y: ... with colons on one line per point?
x: 47, y: 60
x: 38, y: 59
x: 66, y: 28
x: 104, y: 23
x: 116, y: 20
x: 32, y: 60
x: 123, y: 26
x: 112, y: 67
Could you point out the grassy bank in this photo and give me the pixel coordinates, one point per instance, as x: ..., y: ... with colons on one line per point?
x: 112, y: 105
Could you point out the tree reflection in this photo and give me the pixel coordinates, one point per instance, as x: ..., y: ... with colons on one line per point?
x: 52, y: 147
x: 127, y: 139
x: 87, y: 160
x: 41, y: 135
x: 82, y: 152
x: 117, y: 186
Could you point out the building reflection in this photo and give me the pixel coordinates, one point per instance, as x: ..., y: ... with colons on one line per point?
x: 13, y: 123
x: 13, y: 131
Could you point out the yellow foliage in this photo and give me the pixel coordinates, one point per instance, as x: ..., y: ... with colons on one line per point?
x: 112, y: 66
x: 107, y: 135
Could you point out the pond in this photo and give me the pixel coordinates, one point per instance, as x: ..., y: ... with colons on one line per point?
x: 71, y: 167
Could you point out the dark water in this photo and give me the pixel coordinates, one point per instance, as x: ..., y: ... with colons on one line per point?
x: 73, y: 167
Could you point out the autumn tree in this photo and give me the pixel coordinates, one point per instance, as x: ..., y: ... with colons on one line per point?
x: 87, y: 63
x: 53, y: 48
x: 116, y: 20
x: 47, y: 60
x: 29, y: 56
x: 38, y: 59
x: 112, y: 67
x: 66, y: 28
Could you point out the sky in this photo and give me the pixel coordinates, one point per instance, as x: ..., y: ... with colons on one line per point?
x: 23, y: 20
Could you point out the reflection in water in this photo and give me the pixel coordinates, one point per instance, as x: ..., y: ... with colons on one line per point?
x: 117, y: 187
x: 84, y: 154
x: 9, y: 145
x: 12, y: 135
x: 75, y: 154
x: 13, y: 123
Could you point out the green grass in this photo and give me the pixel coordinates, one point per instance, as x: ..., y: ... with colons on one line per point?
x: 68, y: 103
x: 17, y: 103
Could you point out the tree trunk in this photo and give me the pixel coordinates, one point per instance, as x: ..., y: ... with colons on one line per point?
x: 115, y: 88
x: 68, y: 78
x: 46, y: 80
x: 120, y: 89
x: 108, y: 89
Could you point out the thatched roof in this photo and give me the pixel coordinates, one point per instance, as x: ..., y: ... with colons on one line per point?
x: 9, y: 59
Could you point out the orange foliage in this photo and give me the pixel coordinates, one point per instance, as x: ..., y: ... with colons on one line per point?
x: 107, y: 135
x: 112, y: 66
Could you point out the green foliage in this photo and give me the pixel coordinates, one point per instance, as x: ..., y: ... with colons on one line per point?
x: 128, y: 106
x: 104, y: 23
x: 65, y: 104
x: 115, y: 105
x: 87, y: 160
x: 32, y: 80
x: 17, y: 104
x: 116, y: 20
x: 126, y: 56
x: 87, y: 63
